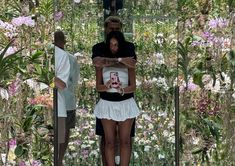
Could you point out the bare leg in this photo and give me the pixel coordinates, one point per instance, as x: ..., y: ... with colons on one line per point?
x: 110, y: 136
x: 117, y: 145
x: 102, y: 149
x: 125, y: 141
x: 63, y: 147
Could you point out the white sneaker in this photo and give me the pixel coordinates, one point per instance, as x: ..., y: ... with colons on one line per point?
x: 117, y: 159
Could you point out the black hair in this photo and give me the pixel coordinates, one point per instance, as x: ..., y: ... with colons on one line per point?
x: 59, y: 37
x: 119, y: 37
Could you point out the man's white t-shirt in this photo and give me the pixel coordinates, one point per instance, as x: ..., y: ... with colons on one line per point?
x: 69, y: 92
x: 62, y: 68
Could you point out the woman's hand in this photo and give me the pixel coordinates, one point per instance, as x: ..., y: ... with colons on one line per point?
x: 108, y: 84
x: 120, y: 90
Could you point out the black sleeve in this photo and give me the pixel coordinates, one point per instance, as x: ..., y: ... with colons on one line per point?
x: 131, y: 50
x: 97, y: 50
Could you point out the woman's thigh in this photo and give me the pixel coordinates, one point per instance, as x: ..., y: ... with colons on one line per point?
x: 125, y: 129
x: 109, y: 127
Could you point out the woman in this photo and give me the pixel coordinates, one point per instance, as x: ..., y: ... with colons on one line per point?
x: 117, y: 106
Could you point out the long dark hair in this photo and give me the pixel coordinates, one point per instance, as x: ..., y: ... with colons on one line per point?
x: 121, y: 42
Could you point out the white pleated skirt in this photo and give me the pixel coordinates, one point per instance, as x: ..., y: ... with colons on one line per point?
x: 116, y: 110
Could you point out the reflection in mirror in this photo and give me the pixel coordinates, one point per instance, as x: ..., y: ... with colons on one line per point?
x: 206, y: 82
x: 154, y: 34
x: 185, y: 45
x: 26, y: 72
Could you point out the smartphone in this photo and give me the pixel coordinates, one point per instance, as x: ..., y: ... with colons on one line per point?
x: 114, y: 79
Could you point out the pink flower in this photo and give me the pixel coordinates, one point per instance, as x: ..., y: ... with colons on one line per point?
x: 36, y: 163
x: 12, y: 143
x: 58, y: 16
x: 23, y: 20
x: 45, y: 100
x: 78, y: 142
x: 191, y: 87
x: 83, y: 110
x: 10, y: 50
x: 22, y: 163
x: 85, y: 153
x: 8, y: 29
x: 13, y: 88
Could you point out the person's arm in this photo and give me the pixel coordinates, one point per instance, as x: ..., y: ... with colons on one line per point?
x: 59, y: 83
x: 128, y: 62
x: 100, y: 87
x: 132, y: 82
x: 130, y: 59
x: 104, y: 62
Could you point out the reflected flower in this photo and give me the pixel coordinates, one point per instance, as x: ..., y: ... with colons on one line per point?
x: 13, y: 88
x: 58, y: 16
x: 12, y: 143
x: 147, y: 148
x: 77, y: 1
x: 10, y: 50
x: 23, y: 20
x: 4, y: 94
x: 159, y: 58
x: 36, y: 163
x: 161, y: 156
x: 22, y: 163
x: 85, y: 153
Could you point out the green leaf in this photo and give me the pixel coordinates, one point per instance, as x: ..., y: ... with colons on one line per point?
x: 36, y: 55
x: 196, y: 151
x: 197, y: 77
x: 5, y: 50
x: 19, y: 150
x: 27, y: 124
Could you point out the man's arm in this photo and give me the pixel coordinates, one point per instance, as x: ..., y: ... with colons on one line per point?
x: 117, y: 62
x: 129, y: 62
x: 59, y: 83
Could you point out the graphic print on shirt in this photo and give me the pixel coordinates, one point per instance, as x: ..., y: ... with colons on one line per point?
x: 115, y: 81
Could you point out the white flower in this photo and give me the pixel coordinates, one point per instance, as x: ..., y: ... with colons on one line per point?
x: 145, y: 116
x: 161, y: 156
x: 4, y: 94
x: 206, y: 78
x: 165, y: 133
x: 94, y: 152
x: 36, y: 86
x: 78, y: 54
x: 163, y: 114
x: 138, y: 83
x: 147, y: 148
x: 77, y: 1
x: 150, y: 126
x: 196, y: 140
x: 171, y: 139
x: 136, y: 155
x: 233, y: 95
x: 171, y: 124
x: 159, y: 58
x: 3, y: 156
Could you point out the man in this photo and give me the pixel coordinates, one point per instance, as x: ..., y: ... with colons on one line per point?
x: 112, y: 23
x: 62, y: 68
x: 70, y: 102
